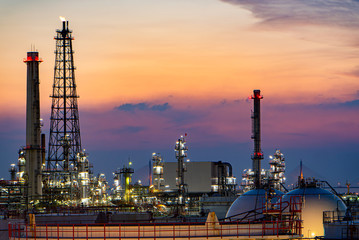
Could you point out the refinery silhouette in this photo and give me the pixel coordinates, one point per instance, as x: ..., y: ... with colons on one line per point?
x: 53, y: 192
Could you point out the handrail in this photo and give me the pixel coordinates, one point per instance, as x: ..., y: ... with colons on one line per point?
x: 259, y: 210
x: 154, y: 230
x: 334, y: 191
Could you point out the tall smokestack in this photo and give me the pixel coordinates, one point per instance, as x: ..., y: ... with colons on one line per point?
x: 256, y: 136
x: 33, y: 127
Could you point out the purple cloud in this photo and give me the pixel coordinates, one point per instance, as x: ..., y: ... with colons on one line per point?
x: 354, y: 103
x: 130, y: 129
x: 129, y: 107
x: 216, y: 131
x: 354, y: 73
x: 274, y: 13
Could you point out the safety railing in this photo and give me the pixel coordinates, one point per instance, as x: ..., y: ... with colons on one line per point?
x: 173, y: 231
x: 338, y: 216
x: 293, y: 207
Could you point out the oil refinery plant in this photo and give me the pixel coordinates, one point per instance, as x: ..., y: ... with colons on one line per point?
x: 64, y: 179
x: 53, y: 192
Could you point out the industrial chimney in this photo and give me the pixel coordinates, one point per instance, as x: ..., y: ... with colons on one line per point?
x: 256, y: 136
x: 33, y: 127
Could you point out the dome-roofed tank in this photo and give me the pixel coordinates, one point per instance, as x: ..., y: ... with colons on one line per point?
x: 249, y: 206
x: 315, y: 201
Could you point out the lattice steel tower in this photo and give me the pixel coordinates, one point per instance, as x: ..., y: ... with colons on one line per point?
x: 64, y: 140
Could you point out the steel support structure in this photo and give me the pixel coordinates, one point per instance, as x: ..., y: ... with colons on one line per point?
x: 64, y: 140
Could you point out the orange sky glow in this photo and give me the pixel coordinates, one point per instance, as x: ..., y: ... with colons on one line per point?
x: 150, y: 51
x: 200, y: 60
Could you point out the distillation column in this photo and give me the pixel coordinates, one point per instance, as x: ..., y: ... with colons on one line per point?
x: 33, y: 127
x: 127, y: 172
x: 256, y: 136
x: 181, y: 153
x: 157, y: 171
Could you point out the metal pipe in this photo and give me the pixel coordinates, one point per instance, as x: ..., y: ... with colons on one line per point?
x: 229, y: 166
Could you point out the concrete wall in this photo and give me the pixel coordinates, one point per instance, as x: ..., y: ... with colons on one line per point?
x: 197, y: 177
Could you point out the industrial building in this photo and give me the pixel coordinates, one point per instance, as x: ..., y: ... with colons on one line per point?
x: 215, y: 177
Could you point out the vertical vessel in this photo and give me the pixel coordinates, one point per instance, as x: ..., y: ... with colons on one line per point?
x: 181, y: 153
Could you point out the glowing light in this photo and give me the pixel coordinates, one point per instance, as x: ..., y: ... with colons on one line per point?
x: 63, y: 19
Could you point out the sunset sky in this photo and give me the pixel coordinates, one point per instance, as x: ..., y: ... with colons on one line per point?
x: 151, y: 70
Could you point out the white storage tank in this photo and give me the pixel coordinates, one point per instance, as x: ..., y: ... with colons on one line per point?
x: 250, y: 204
x: 315, y: 201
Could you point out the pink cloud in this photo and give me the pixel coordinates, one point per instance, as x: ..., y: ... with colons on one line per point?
x: 207, y: 125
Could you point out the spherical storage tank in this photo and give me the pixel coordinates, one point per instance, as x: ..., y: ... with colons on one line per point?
x: 245, y: 205
x: 315, y: 201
